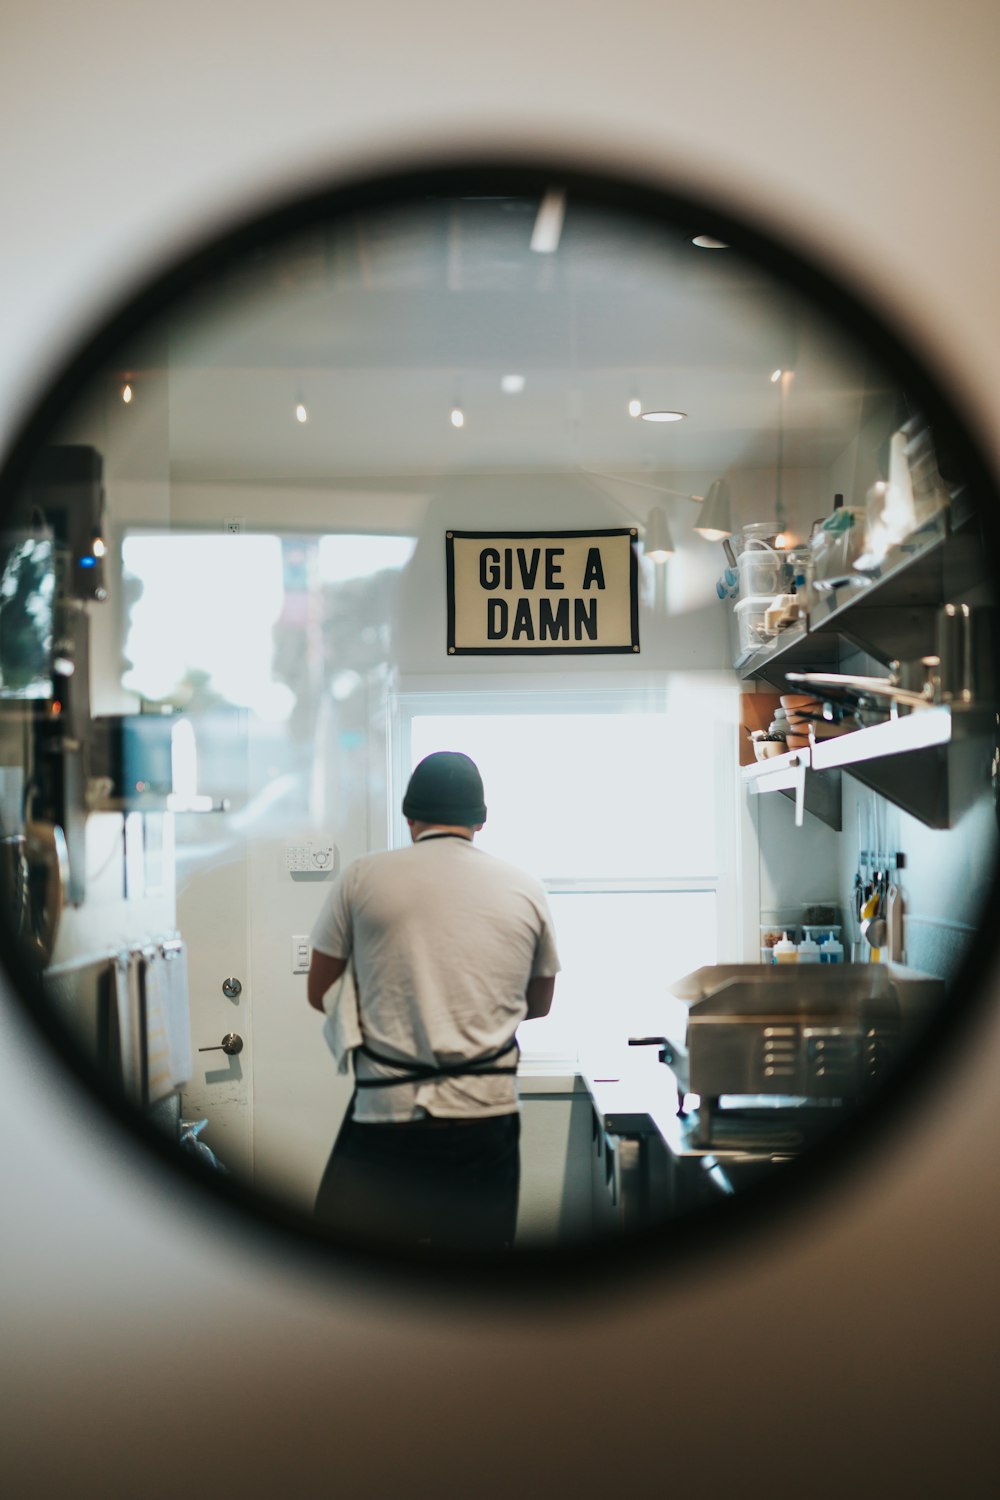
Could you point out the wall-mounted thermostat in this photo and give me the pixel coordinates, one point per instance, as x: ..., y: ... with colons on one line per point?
x: 312, y: 858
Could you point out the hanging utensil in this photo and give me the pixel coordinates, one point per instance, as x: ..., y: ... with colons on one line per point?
x: 894, y: 923
x: 859, y: 884
x: 873, y: 927
x: 876, y: 858
x: 875, y: 933
x: 879, y: 687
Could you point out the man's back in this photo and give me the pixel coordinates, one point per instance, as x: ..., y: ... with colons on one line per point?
x: 450, y: 950
x: 444, y: 939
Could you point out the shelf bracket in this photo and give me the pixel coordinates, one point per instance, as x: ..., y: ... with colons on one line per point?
x: 790, y: 775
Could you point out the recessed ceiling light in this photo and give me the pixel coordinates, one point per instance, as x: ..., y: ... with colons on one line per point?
x: 635, y: 407
x: 301, y: 415
x: 457, y: 417
x: 708, y: 242
x: 776, y: 376
x: 663, y: 416
x: 127, y: 392
x: 512, y: 384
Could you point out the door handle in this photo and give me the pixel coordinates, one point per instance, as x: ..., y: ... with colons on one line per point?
x: 231, y: 1043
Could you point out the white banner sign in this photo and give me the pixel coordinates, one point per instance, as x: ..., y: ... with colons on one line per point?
x: 542, y: 592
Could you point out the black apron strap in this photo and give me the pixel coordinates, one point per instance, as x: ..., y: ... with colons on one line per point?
x: 422, y: 1072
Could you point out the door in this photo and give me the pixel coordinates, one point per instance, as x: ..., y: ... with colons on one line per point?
x: 211, y: 914
x: 213, y: 918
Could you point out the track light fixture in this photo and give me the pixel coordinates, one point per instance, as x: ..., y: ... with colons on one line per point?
x: 657, y: 544
x: 715, y: 521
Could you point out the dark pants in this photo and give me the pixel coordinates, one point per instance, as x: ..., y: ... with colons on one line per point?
x: 442, y: 1184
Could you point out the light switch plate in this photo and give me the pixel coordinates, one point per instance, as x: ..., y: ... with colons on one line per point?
x: 300, y: 955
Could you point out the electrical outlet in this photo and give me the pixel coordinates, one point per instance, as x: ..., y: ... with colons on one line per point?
x: 234, y: 526
x: 300, y: 955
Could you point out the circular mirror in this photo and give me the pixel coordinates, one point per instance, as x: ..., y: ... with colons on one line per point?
x: 497, y: 672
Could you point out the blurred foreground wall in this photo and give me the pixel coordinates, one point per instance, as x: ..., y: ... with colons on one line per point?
x: 151, y: 1349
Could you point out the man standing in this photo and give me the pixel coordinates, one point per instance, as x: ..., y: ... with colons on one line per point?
x: 450, y: 950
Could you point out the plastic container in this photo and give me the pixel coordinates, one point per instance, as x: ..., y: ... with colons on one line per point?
x: 786, y: 952
x: 831, y: 951
x: 750, y: 621
x: 783, y: 610
x: 800, y: 568
x: 821, y: 931
x: 766, y: 954
x: 808, y: 951
x: 772, y: 933
x: 837, y: 544
x: 759, y: 531
x: 761, y: 569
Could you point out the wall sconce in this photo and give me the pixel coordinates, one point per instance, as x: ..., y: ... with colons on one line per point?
x: 715, y: 521
x: 657, y: 544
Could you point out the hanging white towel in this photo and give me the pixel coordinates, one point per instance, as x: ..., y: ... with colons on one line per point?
x: 342, y: 1029
x: 168, y: 1024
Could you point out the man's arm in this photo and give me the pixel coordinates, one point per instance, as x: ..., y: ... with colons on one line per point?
x: 539, y: 996
x: 324, y: 971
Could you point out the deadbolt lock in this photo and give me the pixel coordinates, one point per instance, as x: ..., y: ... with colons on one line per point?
x: 232, y: 989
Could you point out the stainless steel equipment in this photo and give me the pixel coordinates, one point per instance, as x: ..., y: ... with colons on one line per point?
x: 774, y: 1056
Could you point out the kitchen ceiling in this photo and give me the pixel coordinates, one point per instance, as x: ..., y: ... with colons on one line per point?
x: 381, y: 325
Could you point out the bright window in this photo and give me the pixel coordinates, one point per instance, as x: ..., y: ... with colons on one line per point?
x: 617, y: 804
x: 619, y: 948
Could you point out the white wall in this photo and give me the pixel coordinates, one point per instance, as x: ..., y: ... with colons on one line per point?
x: 862, y: 1330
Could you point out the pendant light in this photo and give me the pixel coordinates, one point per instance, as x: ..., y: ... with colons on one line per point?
x: 657, y: 544
x: 715, y: 521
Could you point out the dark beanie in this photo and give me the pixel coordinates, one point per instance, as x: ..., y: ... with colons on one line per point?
x: 446, y: 787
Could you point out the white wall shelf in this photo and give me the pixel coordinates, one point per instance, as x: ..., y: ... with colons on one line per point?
x: 791, y: 774
x: 918, y: 760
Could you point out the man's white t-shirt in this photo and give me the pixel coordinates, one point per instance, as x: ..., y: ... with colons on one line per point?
x: 443, y: 939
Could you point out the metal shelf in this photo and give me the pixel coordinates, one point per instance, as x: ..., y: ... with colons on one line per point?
x: 890, y: 614
x: 930, y: 762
